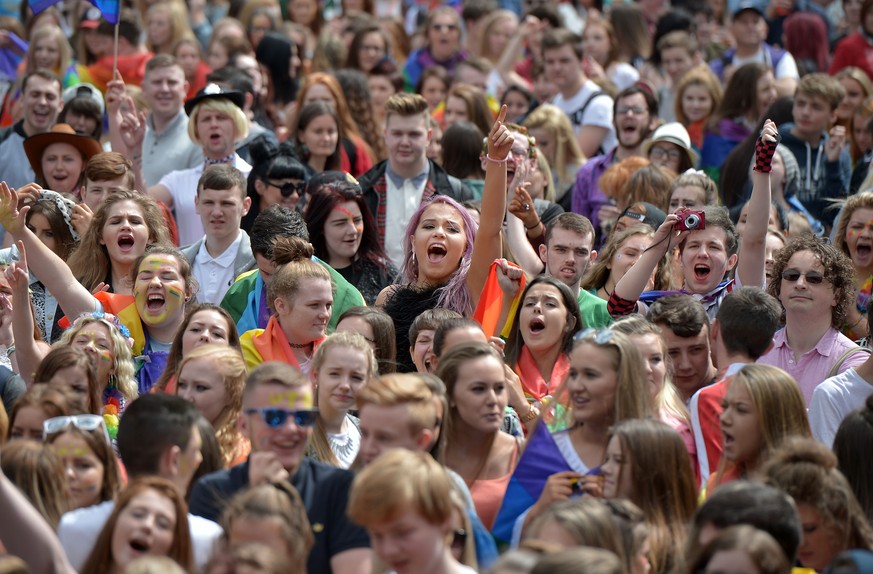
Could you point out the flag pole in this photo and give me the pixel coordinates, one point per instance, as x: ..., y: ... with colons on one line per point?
x: 115, y: 51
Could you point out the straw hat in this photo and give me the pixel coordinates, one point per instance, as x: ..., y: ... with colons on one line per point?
x: 35, y: 145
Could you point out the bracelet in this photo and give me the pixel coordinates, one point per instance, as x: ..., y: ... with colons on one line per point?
x: 533, y: 226
x: 531, y: 415
x: 492, y: 160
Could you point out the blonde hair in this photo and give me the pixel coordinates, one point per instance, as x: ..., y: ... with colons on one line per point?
x: 567, y: 151
x: 632, y: 399
x: 227, y: 363
x: 319, y: 445
x: 699, y: 75
x: 222, y: 106
x: 861, y: 200
x: 65, y: 52
x: 668, y: 402
x: 124, y: 373
x: 780, y: 407
x: 415, y: 481
x: 178, y: 15
x: 496, y: 19
x: 403, y: 389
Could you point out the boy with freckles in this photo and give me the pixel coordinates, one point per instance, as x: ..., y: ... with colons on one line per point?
x: 710, y: 253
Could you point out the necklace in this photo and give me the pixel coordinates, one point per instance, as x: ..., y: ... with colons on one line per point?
x: 298, y: 345
x: 113, y: 405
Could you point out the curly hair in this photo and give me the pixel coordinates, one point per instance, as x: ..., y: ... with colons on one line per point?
x: 354, y: 85
x: 125, y: 374
x: 861, y: 200
x: 90, y: 263
x: 838, y: 271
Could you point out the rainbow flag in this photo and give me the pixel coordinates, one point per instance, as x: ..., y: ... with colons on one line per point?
x: 109, y: 8
x: 540, y: 459
x: 487, y: 312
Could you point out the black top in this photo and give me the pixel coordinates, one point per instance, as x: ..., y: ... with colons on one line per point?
x: 403, y: 306
x: 325, y: 493
x: 369, y: 278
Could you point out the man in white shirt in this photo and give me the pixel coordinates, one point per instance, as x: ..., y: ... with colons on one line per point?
x: 588, y: 107
x: 216, y: 122
x: 749, y: 30
x: 225, y: 251
x: 157, y: 436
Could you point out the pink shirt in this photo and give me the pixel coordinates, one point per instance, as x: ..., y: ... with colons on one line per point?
x: 814, y: 365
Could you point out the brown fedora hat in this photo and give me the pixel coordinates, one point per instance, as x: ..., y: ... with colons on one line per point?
x: 35, y: 145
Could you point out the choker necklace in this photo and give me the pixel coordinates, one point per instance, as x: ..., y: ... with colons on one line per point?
x: 298, y: 346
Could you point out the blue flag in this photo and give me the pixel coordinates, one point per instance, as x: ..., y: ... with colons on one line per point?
x: 109, y: 8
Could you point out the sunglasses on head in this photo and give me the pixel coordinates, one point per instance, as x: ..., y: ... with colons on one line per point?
x: 290, y: 188
x: 275, y: 418
x: 599, y: 336
x: 812, y: 277
x: 86, y: 423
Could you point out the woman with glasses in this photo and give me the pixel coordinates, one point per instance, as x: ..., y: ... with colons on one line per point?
x: 605, y: 385
x: 277, y: 178
x: 300, y: 294
x: 343, y: 232
x: 476, y: 448
x: 443, y: 46
x: 82, y: 443
x: 670, y: 148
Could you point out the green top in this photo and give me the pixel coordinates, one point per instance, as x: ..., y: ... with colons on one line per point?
x: 593, y: 311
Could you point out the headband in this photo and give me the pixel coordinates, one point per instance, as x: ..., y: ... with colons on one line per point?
x: 65, y: 206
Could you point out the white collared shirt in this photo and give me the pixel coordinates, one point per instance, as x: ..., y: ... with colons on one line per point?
x: 215, y: 274
x: 401, y: 203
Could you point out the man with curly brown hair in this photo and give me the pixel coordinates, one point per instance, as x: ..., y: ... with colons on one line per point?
x: 815, y: 284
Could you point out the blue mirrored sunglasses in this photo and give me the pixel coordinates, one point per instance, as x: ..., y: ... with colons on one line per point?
x: 275, y: 418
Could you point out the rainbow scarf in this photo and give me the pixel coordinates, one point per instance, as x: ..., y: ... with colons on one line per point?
x: 272, y: 344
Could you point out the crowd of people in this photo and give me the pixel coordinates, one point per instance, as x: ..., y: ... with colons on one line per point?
x: 497, y: 286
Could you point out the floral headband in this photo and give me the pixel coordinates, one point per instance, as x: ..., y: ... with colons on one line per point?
x: 109, y: 318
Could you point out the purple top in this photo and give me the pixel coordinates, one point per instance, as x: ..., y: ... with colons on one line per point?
x: 587, y: 199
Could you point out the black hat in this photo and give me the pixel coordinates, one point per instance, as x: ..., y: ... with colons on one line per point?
x: 212, y: 91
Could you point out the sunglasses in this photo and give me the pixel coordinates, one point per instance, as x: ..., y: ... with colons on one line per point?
x: 87, y: 423
x: 275, y: 418
x: 599, y: 336
x: 290, y: 188
x: 812, y: 277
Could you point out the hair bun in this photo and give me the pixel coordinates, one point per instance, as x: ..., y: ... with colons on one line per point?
x: 289, y: 249
x: 803, y: 450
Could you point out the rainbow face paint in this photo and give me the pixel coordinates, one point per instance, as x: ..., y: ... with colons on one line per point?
x: 159, y: 290
x: 292, y: 398
x: 355, y: 219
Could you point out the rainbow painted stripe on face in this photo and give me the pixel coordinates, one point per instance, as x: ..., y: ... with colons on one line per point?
x: 359, y: 225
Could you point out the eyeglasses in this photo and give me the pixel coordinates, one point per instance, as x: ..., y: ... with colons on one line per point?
x: 444, y: 27
x: 812, y: 277
x: 290, y: 188
x: 86, y: 423
x: 632, y: 110
x: 599, y: 336
x: 459, y: 538
x: 661, y: 153
x: 274, y: 418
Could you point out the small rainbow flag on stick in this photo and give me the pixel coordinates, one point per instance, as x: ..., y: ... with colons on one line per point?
x: 109, y: 8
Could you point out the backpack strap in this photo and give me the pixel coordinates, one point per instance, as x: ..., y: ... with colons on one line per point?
x: 836, y: 368
x: 576, y: 117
